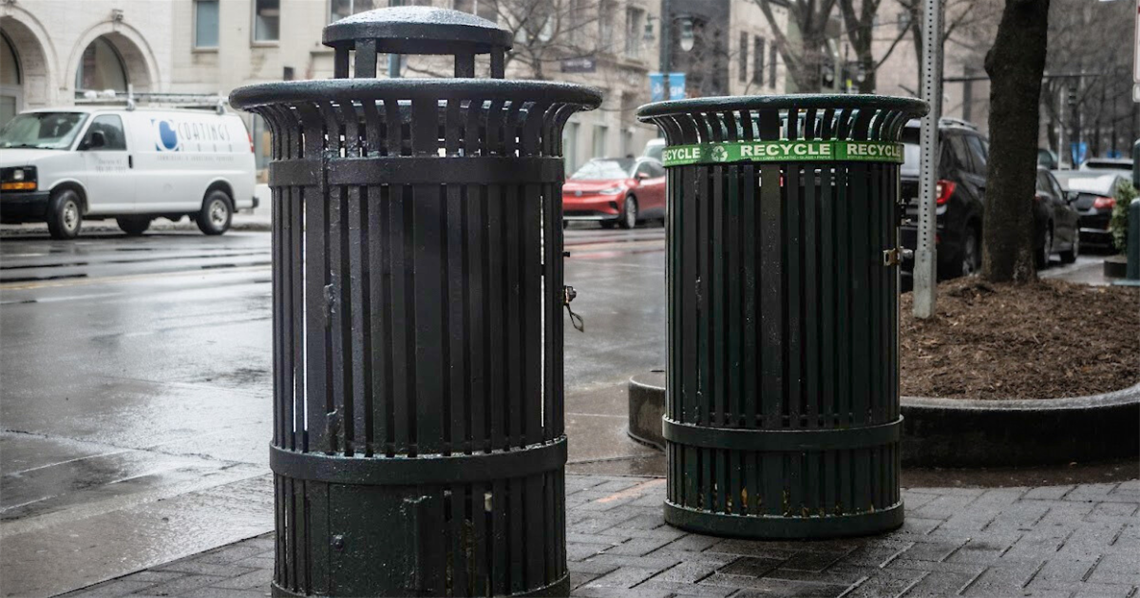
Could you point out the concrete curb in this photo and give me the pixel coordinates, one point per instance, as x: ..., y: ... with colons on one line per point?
x: 975, y: 433
x: 969, y: 432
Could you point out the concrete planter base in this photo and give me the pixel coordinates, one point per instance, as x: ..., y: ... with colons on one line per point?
x: 1115, y: 266
x: 971, y: 433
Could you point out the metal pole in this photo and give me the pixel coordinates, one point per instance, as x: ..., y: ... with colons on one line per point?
x: 925, y: 258
x: 666, y: 38
x: 394, y: 59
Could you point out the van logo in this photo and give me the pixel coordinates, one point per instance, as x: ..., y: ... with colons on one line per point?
x: 165, y: 136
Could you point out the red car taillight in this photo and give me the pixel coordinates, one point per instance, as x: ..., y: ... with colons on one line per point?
x: 943, y: 190
x: 1103, y: 203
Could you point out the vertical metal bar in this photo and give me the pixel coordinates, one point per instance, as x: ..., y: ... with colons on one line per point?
x: 925, y: 255
x: 428, y: 296
x: 365, y: 59
x: 340, y: 63
x: 457, y: 284
x: 512, y: 309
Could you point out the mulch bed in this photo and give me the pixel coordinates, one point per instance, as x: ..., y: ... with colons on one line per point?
x: 1043, y: 340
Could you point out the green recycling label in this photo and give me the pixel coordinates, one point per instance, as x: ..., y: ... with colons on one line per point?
x: 783, y: 151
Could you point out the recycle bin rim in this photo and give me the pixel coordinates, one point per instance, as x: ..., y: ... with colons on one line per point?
x: 264, y: 94
x: 818, y: 101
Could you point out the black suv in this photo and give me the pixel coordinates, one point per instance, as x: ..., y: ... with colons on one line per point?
x: 960, y: 200
x: 960, y: 195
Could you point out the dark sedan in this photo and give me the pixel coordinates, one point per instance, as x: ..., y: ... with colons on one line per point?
x: 1056, y: 221
x: 1095, y: 198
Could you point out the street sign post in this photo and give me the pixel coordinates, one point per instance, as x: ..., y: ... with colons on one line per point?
x: 925, y: 256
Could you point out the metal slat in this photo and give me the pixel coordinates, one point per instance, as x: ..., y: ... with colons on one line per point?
x: 428, y: 297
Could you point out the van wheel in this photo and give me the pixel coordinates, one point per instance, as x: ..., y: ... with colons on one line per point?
x: 65, y: 217
x: 133, y: 225
x: 217, y: 213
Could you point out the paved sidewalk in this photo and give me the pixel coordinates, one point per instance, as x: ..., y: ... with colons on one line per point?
x: 1051, y: 541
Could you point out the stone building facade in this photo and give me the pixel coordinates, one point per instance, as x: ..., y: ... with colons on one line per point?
x: 54, y: 51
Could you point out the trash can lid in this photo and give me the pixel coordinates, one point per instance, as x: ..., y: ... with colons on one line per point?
x: 913, y: 107
x: 418, y: 30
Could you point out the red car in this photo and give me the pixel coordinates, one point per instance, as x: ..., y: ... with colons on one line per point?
x: 615, y: 191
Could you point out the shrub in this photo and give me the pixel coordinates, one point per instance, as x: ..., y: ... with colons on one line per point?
x: 1125, y: 193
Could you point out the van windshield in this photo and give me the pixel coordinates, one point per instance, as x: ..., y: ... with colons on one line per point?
x: 42, y: 130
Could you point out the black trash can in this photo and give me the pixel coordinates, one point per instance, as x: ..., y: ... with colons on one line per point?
x: 418, y: 443
x: 782, y: 409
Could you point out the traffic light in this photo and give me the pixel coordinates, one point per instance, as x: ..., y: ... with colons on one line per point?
x: 827, y: 74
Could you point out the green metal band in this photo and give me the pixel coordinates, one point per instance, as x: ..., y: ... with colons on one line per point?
x: 780, y: 440
x: 835, y: 150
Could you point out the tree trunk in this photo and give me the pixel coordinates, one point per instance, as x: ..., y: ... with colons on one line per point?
x: 806, y: 74
x: 1015, y: 65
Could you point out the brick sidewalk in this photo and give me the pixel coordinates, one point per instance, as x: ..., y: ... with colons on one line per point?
x: 1053, y: 541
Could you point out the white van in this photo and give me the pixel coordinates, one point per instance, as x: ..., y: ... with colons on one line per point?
x: 65, y: 165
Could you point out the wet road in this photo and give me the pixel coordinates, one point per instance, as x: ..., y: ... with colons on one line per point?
x: 136, y: 384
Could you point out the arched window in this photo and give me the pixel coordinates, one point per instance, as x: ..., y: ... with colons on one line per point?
x: 11, y: 90
x: 9, y: 64
x: 100, y: 68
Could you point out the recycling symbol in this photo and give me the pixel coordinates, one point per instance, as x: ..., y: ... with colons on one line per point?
x: 719, y: 154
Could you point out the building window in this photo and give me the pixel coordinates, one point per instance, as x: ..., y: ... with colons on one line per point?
x: 758, y: 61
x: 266, y: 20
x: 605, y: 25
x: 205, y: 23
x: 743, y: 58
x: 600, y: 132
x: 633, y: 32
x: 772, y: 65
x: 11, y: 88
x: 100, y: 68
x: 9, y: 63
x: 482, y: 8
x: 339, y: 9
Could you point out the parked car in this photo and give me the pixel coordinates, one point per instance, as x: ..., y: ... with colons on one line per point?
x: 615, y: 192
x: 654, y: 148
x: 1122, y: 165
x: 960, y: 202
x: 65, y: 165
x: 960, y: 195
x: 1095, y: 194
x: 1046, y: 158
x: 1055, y: 221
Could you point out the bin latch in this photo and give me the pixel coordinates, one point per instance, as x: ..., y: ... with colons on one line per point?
x: 568, y: 295
x: 892, y: 257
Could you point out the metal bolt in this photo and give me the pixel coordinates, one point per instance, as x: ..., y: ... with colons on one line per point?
x: 338, y: 542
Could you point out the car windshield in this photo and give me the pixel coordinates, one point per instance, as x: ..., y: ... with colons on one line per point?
x: 42, y: 130
x: 600, y: 169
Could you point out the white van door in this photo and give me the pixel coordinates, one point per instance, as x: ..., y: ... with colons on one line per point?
x: 108, y: 167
